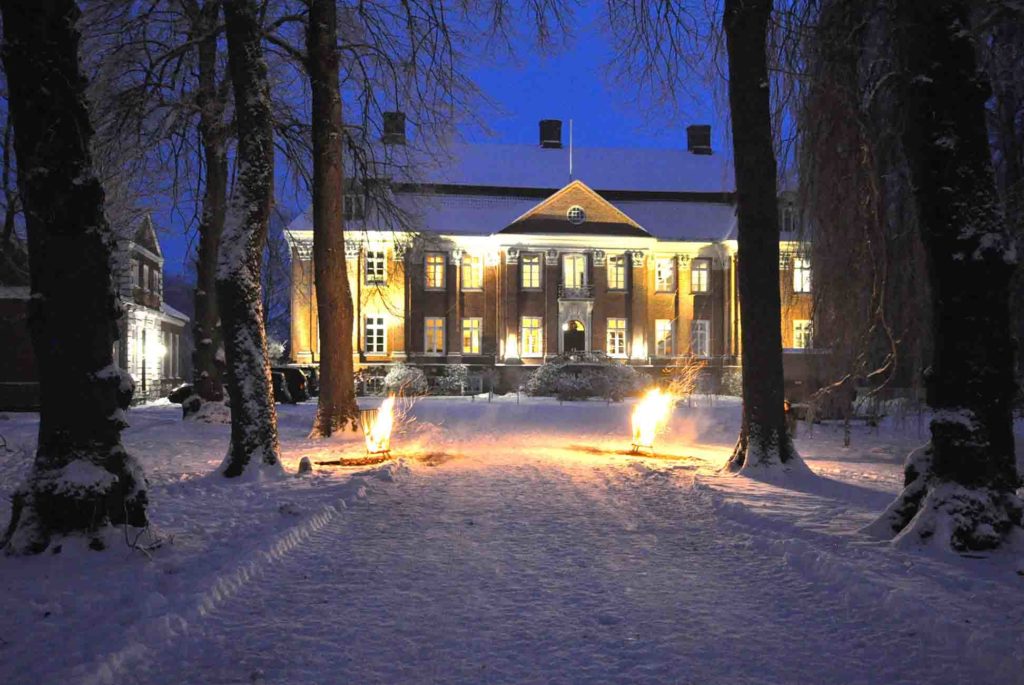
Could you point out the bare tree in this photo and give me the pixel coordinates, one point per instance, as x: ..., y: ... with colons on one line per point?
x: 960, y: 489
x: 210, y: 100
x: 336, y: 406
x: 82, y: 478
x: 764, y: 440
x: 254, y: 443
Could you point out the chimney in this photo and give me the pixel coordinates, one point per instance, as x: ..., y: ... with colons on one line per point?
x: 551, y: 133
x: 698, y: 139
x: 394, y: 128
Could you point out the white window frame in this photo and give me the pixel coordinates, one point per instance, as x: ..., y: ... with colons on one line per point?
x: 700, y: 338
x: 575, y: 277
x: 433, y: 325
x: 615, y: 337
x: 375, y: 267
x: 665, y: 274
x: 700, y: 276
x: 375, y: 322
x: 434, y: 274
x: 136, y: 267
x: 531, y: 264
x: 664, y: 345
x: 803, y: 334
x: 538, y: 328
x: 801, y: 275
x: 617, y: 272
x: 472, y: 272
x: 475, y: 330
x: 145, y: 277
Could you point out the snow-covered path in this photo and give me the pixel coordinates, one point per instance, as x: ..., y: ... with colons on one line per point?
x: 514, y: 568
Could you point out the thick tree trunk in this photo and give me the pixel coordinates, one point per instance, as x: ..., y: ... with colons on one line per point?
x: 254, y: 444
x: 82, y: 478
x: 208, y: 354
x: 763, y: 439
x: 337, y: 403
x: 960, y: 488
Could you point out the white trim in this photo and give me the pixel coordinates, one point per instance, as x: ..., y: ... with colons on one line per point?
x: 426, y: 336
x: 384, y: 334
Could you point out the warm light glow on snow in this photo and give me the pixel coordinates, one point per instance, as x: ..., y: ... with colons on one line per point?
x: 649, y: 417
x: 378, y: 437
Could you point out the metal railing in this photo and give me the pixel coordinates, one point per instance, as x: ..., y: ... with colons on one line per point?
x: 576, y: 292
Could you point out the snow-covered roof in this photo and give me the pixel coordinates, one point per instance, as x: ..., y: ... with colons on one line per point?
x: 479, y: 189
x: 172, y: 312
x: 624, y: 169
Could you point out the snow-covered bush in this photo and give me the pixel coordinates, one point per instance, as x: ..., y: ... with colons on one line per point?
x: 732, y: 381
x: 623, y: 381
x: 454, y: 381
x: 604, y: 378
x: 403, y: 379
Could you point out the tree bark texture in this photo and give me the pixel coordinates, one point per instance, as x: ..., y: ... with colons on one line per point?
x: 254, y: 442
x: 960, y: 488
x: 763, y: 439
x: 82, y: 478
x: 337, y: 403
x: 207, y: 356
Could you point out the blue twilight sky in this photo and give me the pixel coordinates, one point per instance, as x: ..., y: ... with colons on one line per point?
x: 566, y: 82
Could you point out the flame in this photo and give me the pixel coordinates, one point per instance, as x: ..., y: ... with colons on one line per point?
x: 650, y: 416
x: 378, y: 437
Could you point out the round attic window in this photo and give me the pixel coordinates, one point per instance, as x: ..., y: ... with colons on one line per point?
x: 576, y: 215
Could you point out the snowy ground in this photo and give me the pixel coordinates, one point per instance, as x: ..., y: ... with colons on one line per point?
x: 510, y: 544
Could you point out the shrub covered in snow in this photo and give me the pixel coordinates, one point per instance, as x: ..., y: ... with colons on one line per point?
x: 454, y: 381
x: 403, y: 379
x: 599, y: 377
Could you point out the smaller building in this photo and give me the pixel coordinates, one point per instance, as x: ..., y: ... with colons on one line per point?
x: 151, y: 332
x: 150, y: 345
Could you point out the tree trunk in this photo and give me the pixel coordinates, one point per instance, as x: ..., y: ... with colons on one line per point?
x: 253, y: 416
x: 207, y: 355
x: 82, y: 478
x: 960, y: 488
x: 763, y: 439
x: 337, y: 402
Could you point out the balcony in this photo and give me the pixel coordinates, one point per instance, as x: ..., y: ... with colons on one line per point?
x: 576, y: 292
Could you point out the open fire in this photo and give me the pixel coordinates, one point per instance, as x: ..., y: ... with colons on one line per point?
x: 650, y: 415
x: 377, y: 425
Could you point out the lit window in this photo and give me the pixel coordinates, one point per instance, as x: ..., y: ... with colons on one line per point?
x: 576, y: 215
x: 700, y: 275
x: 532, y: 335
x: 574, y: 271
x: 471, y: 335
x: 354, y: 207
x: 616, y: 337
x: 433, y: 335
x: 617, y: 272
x: 663, y: 337
x: 801, y: 275
x: 802, y: 334
x: 472, y: 272
x: 700, y: 338
x: 435, y: 271
x: 529, y: 270
x: 665, y: 274
x: 376, y: 267
x: 376, y: 335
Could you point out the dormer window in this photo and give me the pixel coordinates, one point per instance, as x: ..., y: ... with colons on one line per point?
x: 576, y: 215
x: 354, y: 208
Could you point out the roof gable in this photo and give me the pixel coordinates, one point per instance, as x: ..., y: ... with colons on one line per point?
x: 551, y: 215
x: 145, y: 236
